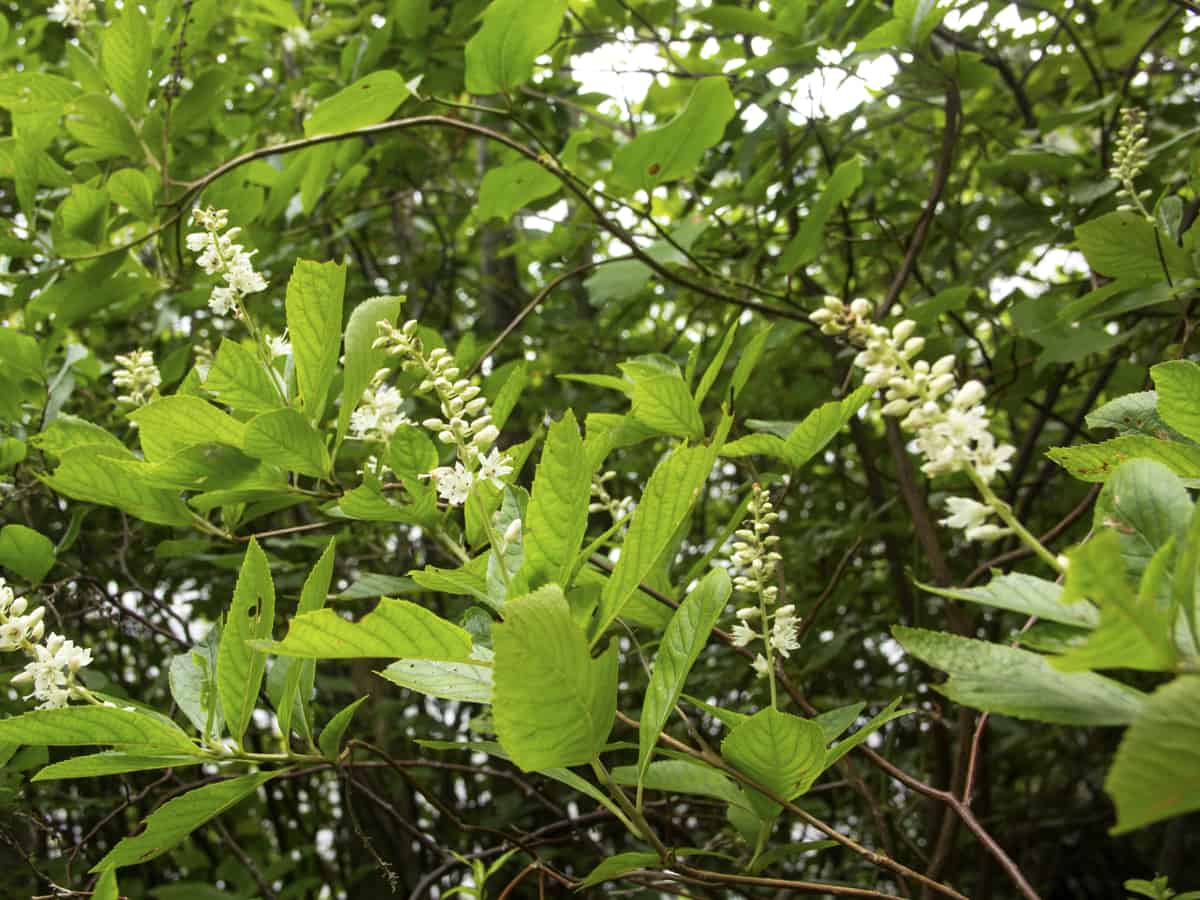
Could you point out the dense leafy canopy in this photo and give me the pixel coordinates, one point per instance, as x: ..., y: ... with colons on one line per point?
x: 388, y: 527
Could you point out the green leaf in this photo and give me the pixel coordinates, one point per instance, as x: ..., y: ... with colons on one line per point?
x: 500, y: 57
x: 192, y: 677
x: 806, y: 246
x: 125, y: 52
x: 176, y: 819
x: 1124, y: 245
x: 748, y: 359
x: 171, y: 424
x: 833, y: 722
x: 1134, y: 632
x: 96, y: 765
x: 95, y: 121
x: 556, y: 519
x: 553, y: 705
x: 300, y: 675
x: 780, y: 751
x: 467, y: 682
x: 251, y: 617
x: 675, y: 150
x: 368, y: 101
x: 362, y: 361
x: 1178, y: 386
x: 1017, y: 683
x: 330, y: 741
x: 94, y: 474
x: 239, y: 379
x: 681, y: 644
x: 1156, y: 772
x: 470, y: 580
x: 684, y: 776
x: 26, y: 552
x: 394, y: 629
x: 563, y: 776
x: 134, y: 190
x: 1023, y: 594
x: 510, y: 187
x: 287, y: 439
x: 81, y: 221
x: 672, y: 489
x: 1131, y: 414
x: 314, y: 320
x: 79, y: 726
x: 844, y: 746
x: 1095, y: 462
x: 106, y: 886
x: 808, y: 438
x: 67, y: 432
x: 1147, y: 506
x: 411, y: 454
x: 621, y: 864
x: 509, y: 394
x: 664, y: 403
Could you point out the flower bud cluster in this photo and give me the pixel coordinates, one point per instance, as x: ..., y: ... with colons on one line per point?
x: 1129, y: 159
x: 380, y: 411
x: 754, y: 555
x: 603, y: 501
x: 465, y: 422
x: 56, y: 662
x: 71, y: 12
x: 137, y: 375
x: 219, y: 255
x: 951, y: 424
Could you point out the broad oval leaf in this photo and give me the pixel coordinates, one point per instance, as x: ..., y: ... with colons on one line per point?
x: 287, y: 439
x: 1156, y: 772
x: 369, y: 100
x: 394, y: 629
x: 553, y: 704
x: 251, y: 616
x: 500, y: 57
x: 681, y: 644
x: 556, y: 519
x: 176, y: 819
x: 674, y: 151
x: 79, y: 726
x: 1017, y: 683
x: 314, y: 320
x: 780, y: 751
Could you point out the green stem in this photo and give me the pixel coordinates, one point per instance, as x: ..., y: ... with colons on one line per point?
x: 639, y: 826
x: 1004, y: 511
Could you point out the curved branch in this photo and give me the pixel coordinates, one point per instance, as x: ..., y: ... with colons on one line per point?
x: 570, y: 183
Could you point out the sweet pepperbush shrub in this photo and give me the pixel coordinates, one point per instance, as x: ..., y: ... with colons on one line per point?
x: 507, y: 449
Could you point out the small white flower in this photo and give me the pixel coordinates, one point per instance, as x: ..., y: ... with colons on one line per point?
x: 379, y: 413
x: 494, y: 467
x: 453, y: 484
x: 71, y: 12
x: 987, y: 533
x: 760, y: 665
x: 220, y: 255
x: 783, y: 631
x: 966, y: 513
x: 743, y: 634
x: 279, y: 346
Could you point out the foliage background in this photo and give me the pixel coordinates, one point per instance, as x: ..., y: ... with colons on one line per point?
x: 986, y: 143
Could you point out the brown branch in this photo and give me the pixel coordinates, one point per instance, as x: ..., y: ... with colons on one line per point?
x: 533, y: 304
x: 941, y: 174
x: 573, y: 185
